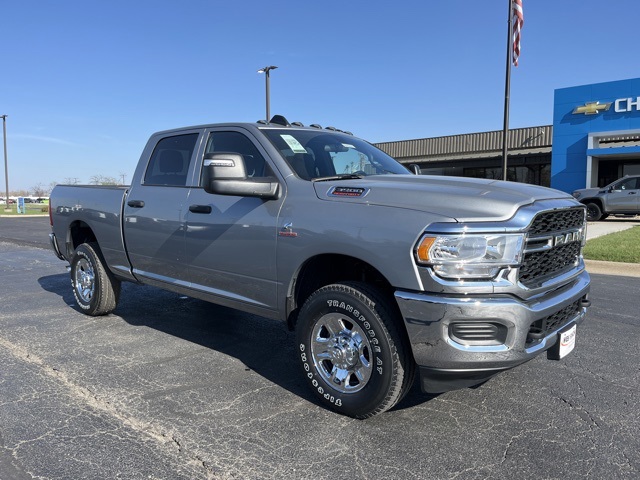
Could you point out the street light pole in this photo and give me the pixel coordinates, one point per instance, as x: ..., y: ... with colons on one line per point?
x: 6, y: 164
x: 266, y: 71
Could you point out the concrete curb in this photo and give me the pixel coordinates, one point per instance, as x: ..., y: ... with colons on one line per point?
x: 613, y: 268
x: 605, y: 227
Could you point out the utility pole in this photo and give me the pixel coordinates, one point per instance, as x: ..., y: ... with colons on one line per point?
x: 6, y: 163
x: 266, y: 71
x: 507, y: 88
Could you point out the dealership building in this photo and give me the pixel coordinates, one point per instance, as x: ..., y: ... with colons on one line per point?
x: 594, y: 140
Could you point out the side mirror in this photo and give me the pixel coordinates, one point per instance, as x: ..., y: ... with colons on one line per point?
x: 223, y: 166
x: 415, y: 168
x: 225, y: 174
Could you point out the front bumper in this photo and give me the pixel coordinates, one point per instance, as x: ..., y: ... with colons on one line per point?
x: 446, y: 362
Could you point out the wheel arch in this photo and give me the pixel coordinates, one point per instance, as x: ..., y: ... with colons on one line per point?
x: 325, y: 269
x: 79, y: 232
x: 596, y: 200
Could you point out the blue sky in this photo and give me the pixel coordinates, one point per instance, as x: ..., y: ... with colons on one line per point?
x: 85, y: 83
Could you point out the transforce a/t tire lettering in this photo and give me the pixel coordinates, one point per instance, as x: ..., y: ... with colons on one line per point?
x: 351, y: 351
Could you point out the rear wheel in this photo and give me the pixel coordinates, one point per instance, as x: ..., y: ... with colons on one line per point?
x: 352, y: 353
x: 594, y: 213
x: 95, y: 288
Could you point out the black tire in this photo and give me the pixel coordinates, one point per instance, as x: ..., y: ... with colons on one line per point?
x: 593, y: 212
x: 95, y: 288
x: 352, y: 353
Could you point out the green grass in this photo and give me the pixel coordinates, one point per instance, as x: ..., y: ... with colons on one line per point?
x: 615, y: 247
x: 32, y: 209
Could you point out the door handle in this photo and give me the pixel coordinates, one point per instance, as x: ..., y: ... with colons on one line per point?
x: 200, y: 208
x: 135, y: 203
x: 632, y: 193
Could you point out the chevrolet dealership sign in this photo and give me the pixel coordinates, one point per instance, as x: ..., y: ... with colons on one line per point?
x: 627, y: 104
x: 583, y: 116
x: 621, y: 105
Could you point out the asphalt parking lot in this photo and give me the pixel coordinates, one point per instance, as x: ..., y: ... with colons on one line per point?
x: 172, y: 387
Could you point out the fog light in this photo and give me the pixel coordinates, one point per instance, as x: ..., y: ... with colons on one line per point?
x: 478, y: 333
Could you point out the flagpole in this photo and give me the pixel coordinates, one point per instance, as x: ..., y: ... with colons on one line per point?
x: 507, y: 88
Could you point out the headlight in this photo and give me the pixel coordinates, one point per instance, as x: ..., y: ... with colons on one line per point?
x: 470, y: 256
x: 576, y: 195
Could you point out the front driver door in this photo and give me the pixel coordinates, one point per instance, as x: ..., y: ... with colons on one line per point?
x: 231, y: 240
x: 624, y: 197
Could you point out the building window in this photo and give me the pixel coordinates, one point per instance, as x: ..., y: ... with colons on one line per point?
x: 539, y: 174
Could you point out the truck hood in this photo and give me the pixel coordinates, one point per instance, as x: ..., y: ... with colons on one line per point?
x: 463, y: 199
x: 586, y: 193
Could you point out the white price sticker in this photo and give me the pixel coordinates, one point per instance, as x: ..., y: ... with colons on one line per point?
x: 567, y: 341
x: 294, y: 144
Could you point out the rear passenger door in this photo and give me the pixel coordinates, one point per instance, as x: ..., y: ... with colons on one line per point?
x: 155, y: 209
x: 231, y: 240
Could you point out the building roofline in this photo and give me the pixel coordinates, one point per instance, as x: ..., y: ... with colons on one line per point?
x: 529, y: 138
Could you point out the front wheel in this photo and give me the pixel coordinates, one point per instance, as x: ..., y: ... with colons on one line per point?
x: 95, y: 288
x: 351, y: 351
x: 594, y: 213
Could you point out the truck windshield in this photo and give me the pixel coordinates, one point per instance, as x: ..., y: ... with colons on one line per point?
x: 317, y: 154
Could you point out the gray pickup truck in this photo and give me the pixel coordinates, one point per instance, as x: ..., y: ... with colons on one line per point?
x: 383, y: 274
x: 621, y: 197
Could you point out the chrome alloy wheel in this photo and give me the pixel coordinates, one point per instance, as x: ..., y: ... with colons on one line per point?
x: 341, y: 353
x: 85, y: 280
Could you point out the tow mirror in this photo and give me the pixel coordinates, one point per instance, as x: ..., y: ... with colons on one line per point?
x: 223, y: 166
x: 225, y: 174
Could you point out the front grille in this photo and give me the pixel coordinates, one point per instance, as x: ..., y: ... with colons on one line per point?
x: 543, y: 327
x: 553, y: 246
x: 557, y: 221
x: 541, y: 265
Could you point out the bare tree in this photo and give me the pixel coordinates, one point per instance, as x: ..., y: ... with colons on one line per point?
x: 39, y: 190
x: 102, y: 180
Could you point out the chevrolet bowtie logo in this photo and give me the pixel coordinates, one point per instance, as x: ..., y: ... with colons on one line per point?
x: 592, y: 108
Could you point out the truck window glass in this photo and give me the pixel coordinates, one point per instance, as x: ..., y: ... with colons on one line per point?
x: 169, y: 163
x: 313, y: 154
x: 629, y: 184
x: 235, y: 142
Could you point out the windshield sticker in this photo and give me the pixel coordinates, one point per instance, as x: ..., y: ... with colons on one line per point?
x: 295, y: 145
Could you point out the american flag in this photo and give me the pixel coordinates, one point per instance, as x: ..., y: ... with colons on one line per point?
x: 518, y: 22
